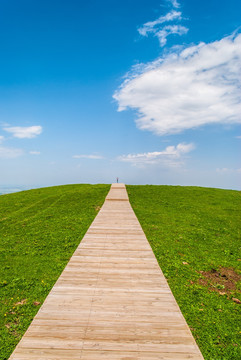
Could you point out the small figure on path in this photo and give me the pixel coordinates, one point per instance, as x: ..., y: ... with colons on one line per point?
x: 117, y: 180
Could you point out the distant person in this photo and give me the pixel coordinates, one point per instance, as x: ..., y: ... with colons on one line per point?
x: 117, y: 180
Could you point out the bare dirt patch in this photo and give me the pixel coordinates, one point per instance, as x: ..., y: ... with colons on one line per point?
x: 223, y: 280
x: 22, y: 302
x: 36, y: 303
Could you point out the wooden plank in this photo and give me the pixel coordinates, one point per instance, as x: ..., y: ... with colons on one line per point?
x: 111, y: 301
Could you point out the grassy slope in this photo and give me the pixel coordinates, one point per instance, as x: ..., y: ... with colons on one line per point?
x: 200, y: 227
x: 39, y: 231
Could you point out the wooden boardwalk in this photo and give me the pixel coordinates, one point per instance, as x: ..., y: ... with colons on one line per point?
x: 112, y: 301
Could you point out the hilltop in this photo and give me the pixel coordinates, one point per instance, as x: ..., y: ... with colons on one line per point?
x: 194, y: 233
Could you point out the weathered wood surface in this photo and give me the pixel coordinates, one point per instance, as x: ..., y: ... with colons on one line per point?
x: 111, y: 301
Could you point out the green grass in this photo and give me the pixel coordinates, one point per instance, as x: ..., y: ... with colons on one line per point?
x: 195, y: 235
x: 39, y: 231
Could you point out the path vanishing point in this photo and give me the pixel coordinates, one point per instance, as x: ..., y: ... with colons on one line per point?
x: 112, y: 301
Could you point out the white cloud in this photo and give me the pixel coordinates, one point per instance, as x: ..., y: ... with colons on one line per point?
x: 172, y: 156
x: 94, y: 157
x: 170, y: 30
x: 34, y: 152
x: 1, y: 139
x: 24, y: 132
x: 8, y: 153
x: 152, y: 26
x: 175, y: 3
x: 197, y: 86
x: 238, y: 137
x: 157, y: 29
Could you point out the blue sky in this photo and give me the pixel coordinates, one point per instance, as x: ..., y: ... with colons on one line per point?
x: 148, y: 91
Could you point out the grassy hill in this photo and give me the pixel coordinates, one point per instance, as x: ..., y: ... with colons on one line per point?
x: 39, y: 231
x: 194, y: 233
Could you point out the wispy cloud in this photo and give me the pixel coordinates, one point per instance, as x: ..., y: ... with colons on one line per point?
x: 152, y: 26
x: 1, y: 139
x: 34, y: 152
x: 172, y: 156
x: 9, y: 153
x: 94, y: 157
x: 175, y: 3
x: 170, y: 30
x: 24, y: 132
x: 227, y: 171
x: 198, y: 86
x: 161, y: 31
